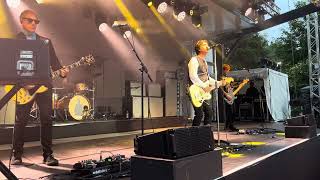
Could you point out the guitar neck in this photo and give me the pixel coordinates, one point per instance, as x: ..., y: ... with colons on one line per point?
x: 57, y: 73
x: 239, y: 88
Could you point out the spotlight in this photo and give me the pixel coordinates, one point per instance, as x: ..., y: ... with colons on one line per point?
x: 127, y: 34
x: 248, y: 12
x: 40, y: 1
x: 103, y: 27
x: 101, y: 22
x: 181, y: 16
x: 13, y: 3
x: 162, y: 8
x: 179, y: 10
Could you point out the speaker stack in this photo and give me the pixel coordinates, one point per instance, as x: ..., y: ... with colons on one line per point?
x: 176, y: 154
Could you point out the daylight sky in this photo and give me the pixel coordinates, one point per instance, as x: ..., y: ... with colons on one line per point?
x: 286, y: 5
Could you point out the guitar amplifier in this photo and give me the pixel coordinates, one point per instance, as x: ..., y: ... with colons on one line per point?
x: 134, y: 106
x: 133, y: 88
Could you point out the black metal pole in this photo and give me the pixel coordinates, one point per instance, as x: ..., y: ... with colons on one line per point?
x: 143, y: 70
x: 6, y: 172
x: 142, y: 111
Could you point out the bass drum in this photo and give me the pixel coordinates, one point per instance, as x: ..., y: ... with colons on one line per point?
x: 79, y: 107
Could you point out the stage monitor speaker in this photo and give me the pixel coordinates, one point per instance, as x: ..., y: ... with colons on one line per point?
x: 304, y: 120
x: 175, y: 143
x: 300, y: 131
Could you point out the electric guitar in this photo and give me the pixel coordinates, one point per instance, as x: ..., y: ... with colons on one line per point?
x: 231, y: 95
x: 24, y: 96
x: 198, y: 95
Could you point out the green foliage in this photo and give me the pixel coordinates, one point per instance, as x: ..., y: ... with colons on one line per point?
x: 249, y: 52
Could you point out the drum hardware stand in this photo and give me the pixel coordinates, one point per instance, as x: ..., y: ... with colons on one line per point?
x: 54, y: 103
x: 143, y: 69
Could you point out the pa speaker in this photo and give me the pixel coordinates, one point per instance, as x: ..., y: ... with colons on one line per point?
x: 175, y: 143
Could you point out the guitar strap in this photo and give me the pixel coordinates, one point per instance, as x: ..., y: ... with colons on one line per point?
x: 33, y: 90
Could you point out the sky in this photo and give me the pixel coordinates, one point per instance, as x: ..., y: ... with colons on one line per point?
x: 285, y: 5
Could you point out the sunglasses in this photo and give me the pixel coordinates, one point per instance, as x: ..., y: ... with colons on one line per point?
x: 29, y: 20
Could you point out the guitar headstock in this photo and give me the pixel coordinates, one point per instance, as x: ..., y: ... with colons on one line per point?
x: 228, y: 80
x: 245, y: 81
x: 87, y: 59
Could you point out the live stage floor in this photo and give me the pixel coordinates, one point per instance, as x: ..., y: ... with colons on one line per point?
x: 72, y: 150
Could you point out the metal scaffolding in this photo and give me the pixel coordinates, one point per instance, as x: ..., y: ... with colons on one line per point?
x: 314, y: 62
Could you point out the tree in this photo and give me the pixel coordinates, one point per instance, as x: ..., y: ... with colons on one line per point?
x: 249, y: 52
x: 291, y: 49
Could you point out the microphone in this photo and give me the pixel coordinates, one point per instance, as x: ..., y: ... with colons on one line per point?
x: 119, y: 23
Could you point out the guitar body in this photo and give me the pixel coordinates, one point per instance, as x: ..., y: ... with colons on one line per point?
x: 198, y: 95
x: 23, y: 96
x: 230, y: 96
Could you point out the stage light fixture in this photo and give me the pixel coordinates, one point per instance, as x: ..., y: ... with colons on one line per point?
x: 127, y: 34
x: 162, y: 7
x: 196, y: 21
x: 101, y: 21
x: 13, y: 3
x: 103, y: 27
x: 181, y: 16
x: 40, y: 1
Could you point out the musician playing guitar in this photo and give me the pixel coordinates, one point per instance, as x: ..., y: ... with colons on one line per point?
x: 29, y: 21
x: 229, y: 97
x: 198, y: 75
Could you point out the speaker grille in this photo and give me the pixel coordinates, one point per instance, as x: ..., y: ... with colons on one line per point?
x: 175, y: 143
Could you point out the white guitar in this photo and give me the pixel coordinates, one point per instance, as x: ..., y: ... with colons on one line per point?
x: 198, y: 95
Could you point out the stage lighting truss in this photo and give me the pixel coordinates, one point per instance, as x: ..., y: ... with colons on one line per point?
x: 13, y: 3
x: 257, y: 9
x: 181, y: 9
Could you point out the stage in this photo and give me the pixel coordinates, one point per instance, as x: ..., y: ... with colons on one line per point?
x: 248, y: 149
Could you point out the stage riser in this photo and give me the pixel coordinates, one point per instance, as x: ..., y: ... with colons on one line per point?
x: 93, y: 128
x: 300, y: 162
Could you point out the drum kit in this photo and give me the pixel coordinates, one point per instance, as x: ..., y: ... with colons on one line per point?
x: 77, y: 104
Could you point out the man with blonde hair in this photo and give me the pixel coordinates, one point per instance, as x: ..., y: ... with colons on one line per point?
x: 198, y: 75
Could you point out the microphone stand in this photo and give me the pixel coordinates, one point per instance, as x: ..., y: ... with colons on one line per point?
x: 216, y: 93
x: 143, y: 69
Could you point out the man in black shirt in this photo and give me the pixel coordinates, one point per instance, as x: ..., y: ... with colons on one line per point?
x: 29, y: 21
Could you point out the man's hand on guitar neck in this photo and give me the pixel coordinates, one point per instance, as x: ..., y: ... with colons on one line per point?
x: 64, y: 71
